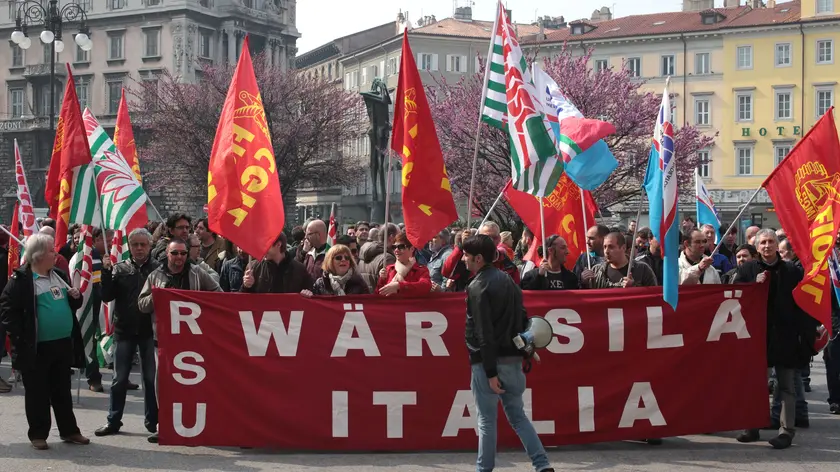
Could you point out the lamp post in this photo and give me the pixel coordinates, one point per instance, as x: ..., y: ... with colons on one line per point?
x: 32, y: 13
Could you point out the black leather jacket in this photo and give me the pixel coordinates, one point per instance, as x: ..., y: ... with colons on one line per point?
x: 495, y: 315
x: 123, y: 284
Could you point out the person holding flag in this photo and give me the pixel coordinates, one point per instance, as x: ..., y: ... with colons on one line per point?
x: 831, y: 353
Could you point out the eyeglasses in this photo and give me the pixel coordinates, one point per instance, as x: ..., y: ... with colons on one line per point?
x: 341, y: 257
x: 401, y: 247
x: 178, y: 253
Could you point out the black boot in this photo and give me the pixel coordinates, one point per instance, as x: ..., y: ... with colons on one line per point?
x: 749, y: 435
x: 782, y: 441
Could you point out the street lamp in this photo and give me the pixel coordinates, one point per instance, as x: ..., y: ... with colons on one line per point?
x: 31, y: 13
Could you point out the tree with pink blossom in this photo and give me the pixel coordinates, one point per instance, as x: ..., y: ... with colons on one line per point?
x: 611, y: 95
x: 311, y: 123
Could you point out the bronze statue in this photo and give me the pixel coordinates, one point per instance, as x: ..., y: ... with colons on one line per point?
x: 377, y: 101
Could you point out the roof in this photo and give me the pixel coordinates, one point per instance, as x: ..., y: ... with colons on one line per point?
x: 670, y: 23
x: 471, y: 29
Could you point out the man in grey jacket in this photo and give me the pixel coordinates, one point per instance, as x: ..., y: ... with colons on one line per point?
x: 177, y: 273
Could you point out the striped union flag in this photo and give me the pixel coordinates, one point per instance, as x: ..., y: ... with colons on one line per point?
x: 512, y: 104
x: 122, y: 197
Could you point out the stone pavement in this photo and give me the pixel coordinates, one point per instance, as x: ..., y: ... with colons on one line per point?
x: 815, y: 450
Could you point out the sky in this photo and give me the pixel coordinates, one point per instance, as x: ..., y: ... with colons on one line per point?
x: 320, y: 21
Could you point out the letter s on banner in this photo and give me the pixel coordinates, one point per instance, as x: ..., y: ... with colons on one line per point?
x: 574, y: 335
x: 179, y: 363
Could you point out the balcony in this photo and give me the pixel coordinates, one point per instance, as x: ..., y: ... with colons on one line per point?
x: 43, y: 70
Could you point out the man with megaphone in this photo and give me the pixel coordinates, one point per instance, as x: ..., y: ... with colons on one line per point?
x: 495, y: 316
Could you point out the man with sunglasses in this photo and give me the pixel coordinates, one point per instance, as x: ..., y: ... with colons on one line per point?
x: 176, y: 273
x: 695, y: 266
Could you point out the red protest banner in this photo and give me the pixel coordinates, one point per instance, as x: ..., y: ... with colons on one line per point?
x: 366, y: 373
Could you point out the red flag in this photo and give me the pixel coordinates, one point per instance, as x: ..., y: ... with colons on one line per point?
x: 804, y: 188
x: 427, y: 201
x: 331, y: 232
x: 563, y: 215
x: 70, y: 150
x: 14, y: 248
x: 124, y: 138
x: 244, y: 203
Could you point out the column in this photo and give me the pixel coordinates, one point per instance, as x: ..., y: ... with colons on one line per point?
x: 220, y: 44
x: 232, y: 39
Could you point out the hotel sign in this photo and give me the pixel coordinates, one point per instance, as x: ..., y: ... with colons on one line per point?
x: 775, y: 131
x: 738, y: 197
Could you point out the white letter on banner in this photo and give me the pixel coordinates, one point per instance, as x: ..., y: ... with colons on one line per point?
x: 541, y: 427
x: 575, y: 335
x: 394, y: 401
x: 355, y: 322
x: 657, y: 340
x: 649, y: 409
x: 615, y: 319
x: 257, y: 340
x: 724, y: 324
x: 190, y: 318
x: 586, y: 409
x: 456, y: 421
x: 340, y: 413
x: 415, y: 333
x: 179, y: 363
x: 178, y: 420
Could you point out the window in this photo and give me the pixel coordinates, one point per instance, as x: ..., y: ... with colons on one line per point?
x: 634, y: 65
x: 17, y: 56
x: 601, y: 64
x: 83, y: 92
x: 825, y: 6
x: 82, y: 55
x: 783, y: 55
x: 115, y: 46
x: 152, y: 43
x: 364, y: 75
x: 784, y: 109
x: 393, y: 65
x: 151, y: 3
x: 667, y: 66
x: 702, y: 111
x: 205, y: 40
x: 825, y: 99
x: 86, y: 5
x: 744, y: 111
x: 456, y: 64
x: 780, y: 151
x: 47, y: 49
x: 745, y: 159
x: 427, y: 61
x: 703, y: 164
x: 374, y: 72
x: 745, y: 59
x: 825, y: 51
x: 116, y: 4
x: 150, y: 92
x: 702, y: 63
x: 16, y: 102
x: 114, y: 93
x: 42, y: 102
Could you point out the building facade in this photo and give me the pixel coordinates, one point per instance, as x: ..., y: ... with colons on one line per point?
x: 133, y: 41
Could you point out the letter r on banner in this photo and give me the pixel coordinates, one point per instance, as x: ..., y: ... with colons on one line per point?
x: 193, y: 312
x: 415, y: 333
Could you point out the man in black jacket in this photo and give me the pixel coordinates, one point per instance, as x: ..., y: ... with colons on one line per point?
x: 551, y: 274
x: 495, y: 315
x: 791, y: 333
x: 277, y: 272
x: 132, y: 330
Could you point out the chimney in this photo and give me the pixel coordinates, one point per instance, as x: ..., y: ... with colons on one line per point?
x: 756, y: 3
x: 463, y: 13
x: 699, y: 5
x: 731, y: 3
x: 771, y: 3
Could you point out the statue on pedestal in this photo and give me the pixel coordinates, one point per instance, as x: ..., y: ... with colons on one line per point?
x: 377, y: 101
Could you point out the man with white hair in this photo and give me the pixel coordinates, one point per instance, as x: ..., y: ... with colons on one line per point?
x: 60, y: 261
x: 552, y: 274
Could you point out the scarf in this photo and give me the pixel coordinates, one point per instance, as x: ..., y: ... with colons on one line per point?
x: 402, y: 270
x: 338, y: 282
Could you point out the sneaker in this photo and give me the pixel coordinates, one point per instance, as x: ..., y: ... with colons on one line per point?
x: 97, y: 387
x: 131, y: 386
x: 748, y: 436
x: 76, y: 439
x: 782, y: 441
x: 153, y: 438
x: 5, y: 387
x: 834, y: 408
x: 107, y: 430
x: 802, y: 423
x: 15, y: 378
x: 40, y: 444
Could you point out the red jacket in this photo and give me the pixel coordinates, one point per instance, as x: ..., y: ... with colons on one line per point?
x: 417, y: 281
x: 502, y: 263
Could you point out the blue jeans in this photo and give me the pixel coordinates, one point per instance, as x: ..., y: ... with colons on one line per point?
x: 487, y: 404
x: 123, y: 356
x: 801, y: 404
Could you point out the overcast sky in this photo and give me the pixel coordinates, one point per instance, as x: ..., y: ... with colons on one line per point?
x: 320, y: 21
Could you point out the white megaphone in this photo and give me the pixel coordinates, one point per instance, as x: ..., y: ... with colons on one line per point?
x: 537, y: 335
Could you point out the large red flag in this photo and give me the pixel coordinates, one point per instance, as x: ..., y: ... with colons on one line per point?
x: 427, y: 201
x: 563, y: 215
x: 804, y: 189
x: 14, y: 248
x: 244, y: 203
x: 70, y: 150
x: 124, y: 138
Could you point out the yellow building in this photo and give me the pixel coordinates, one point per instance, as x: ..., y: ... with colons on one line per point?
x: 758, y: 76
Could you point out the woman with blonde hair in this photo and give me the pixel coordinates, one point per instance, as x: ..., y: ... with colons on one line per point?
x: 339, y: 276
x: 507, y: 242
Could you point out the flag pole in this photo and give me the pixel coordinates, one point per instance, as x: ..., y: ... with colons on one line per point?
x: 149, y: 201
x: 487, y: 216
x: 633, y: 238
x: 480, y: 114
x: 387, y: 203
x: 585, y: 228
x: 542, y: 228
x: 11, y: 235
x: 735, y: 221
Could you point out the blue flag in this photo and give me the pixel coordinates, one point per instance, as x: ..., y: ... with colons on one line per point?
x: 706, y: 213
